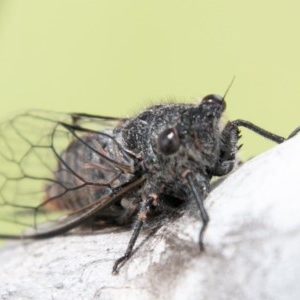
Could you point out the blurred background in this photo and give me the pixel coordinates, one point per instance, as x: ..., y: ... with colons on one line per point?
x: 118, y: 57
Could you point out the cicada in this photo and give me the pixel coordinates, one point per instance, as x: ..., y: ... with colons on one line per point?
x: 61, y: 171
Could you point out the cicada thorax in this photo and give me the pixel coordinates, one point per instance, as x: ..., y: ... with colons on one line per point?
x: 88, y: 171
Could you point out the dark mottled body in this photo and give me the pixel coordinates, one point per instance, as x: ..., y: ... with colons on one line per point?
x: 199, y: 153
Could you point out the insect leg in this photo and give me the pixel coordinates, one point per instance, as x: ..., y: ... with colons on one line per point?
x: 294, y: 132
x: 199, y: 197
x: 267, y: 134
x: 229, y: 139
x: 142, y: 215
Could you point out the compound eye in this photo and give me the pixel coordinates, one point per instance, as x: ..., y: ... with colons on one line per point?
x: 214, y: 100
x: 168, y: 141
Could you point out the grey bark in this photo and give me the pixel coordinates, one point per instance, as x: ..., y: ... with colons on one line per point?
x: 252, y: 247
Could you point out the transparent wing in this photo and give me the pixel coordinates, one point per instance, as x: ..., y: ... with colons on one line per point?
x: 60, y: 169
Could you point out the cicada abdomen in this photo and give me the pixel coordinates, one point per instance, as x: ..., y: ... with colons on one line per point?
x: 85, y: 173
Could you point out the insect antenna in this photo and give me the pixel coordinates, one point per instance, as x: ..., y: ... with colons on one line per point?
x: 228, y: 88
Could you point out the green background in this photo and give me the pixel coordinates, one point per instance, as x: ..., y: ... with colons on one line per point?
x: 117, y: 57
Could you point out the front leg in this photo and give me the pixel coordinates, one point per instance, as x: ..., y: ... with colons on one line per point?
x: 228, y: 149
x: 199, y: 189
x: 229, y: 138
x: 262, y: 132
